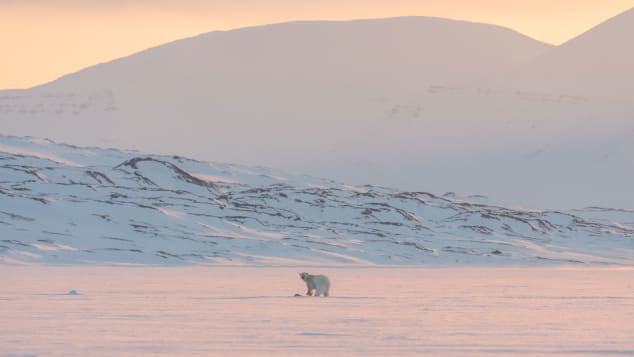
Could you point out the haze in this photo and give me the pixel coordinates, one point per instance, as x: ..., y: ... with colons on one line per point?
x: 459, y: 172
x: 51, y: 38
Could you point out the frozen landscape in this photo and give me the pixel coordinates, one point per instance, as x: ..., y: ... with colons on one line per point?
x: 62, y: 204
x: 134, y: 311
x: 467, y: 190
x: 435, y: 100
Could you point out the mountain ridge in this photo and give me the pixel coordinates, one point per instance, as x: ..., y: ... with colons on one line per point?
x: 290, y: 23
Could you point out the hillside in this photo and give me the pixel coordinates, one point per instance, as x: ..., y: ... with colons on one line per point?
x: 401, y: 102
x: 63, y: 204
x: 598, y: 62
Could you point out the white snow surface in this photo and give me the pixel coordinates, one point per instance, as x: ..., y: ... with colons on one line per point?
x: 62, y: 204
x: 222, y: 311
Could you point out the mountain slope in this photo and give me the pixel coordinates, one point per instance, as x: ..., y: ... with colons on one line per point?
x: 293, y: 91
x: 395, y: 102
x: 598, y: 62
x: 263, y: 84
x: 63, y: 204
x: 413, y: 50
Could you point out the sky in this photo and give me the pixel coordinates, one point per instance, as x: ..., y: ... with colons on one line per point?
x: 42, y: 40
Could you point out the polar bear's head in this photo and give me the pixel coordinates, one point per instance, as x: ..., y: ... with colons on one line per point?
x: 304, y: 276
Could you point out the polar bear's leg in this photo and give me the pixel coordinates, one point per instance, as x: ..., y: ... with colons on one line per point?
x: 311, y: 288
x: 323, y: 290
x: 326, y: 293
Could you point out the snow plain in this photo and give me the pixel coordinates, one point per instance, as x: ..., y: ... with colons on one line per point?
x: 240, y: 311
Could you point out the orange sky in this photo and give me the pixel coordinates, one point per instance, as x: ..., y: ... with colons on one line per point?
x: 44, y: 39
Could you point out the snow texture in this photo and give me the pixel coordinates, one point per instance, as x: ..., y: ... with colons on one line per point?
x: 62, y: 204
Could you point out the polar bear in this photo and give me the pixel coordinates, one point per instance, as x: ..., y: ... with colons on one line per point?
x: 317, y: 284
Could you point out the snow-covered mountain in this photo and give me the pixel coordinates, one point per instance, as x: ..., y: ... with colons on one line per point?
x: 415, y: 103
x: 598, y: 62
x: 62, y: 204
x: 298, y: 93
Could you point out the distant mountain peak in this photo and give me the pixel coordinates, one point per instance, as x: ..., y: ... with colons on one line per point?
x: 597, y: 62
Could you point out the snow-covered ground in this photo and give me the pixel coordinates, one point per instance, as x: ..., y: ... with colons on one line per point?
x: 203, y: 311
x: 62, y: 204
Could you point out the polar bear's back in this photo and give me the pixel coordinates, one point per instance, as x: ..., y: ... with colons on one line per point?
x: 321, y: 281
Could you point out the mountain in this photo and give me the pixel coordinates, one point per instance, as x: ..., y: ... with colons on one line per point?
x: 62, y: 204
x: 399, y: 102
x: 598, y: 62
